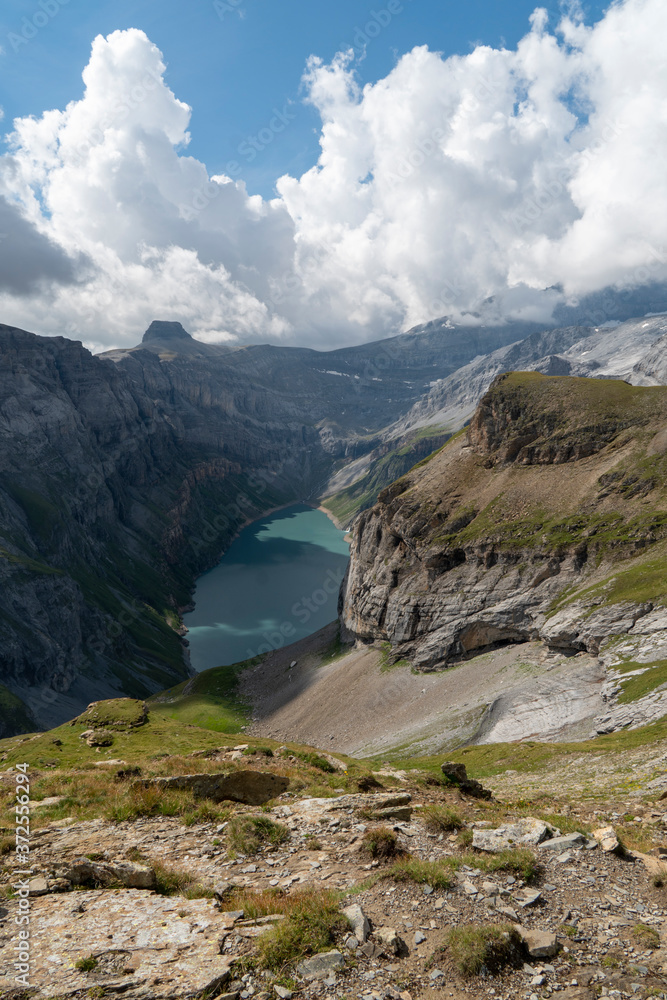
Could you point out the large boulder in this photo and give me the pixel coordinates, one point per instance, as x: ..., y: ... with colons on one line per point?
x: 253, y: 788
x: 458, y: 775
x: 391, y: 941
x: 97, y: 737
x: 607, y: 839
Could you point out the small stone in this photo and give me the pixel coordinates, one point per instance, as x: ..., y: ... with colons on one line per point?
x: 538, y: 980
x: 455, y: 772
x: 283, y: 993
x: 435, y: 974
x: 370, y: 950
x: 419, y: 937
x: 59, y: 885
x: 38, y: 887
x: 358, y: 921
x: 539, y: 944
x: 351, y: 942
x: 388, y: 937
x: 528, y: 898
x: 607, y: 839
x: 50, y: 800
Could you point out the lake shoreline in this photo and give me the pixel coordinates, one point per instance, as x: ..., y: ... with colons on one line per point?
x: 262, y: 610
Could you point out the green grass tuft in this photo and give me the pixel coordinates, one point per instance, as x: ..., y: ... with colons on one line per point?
x: 519, y: 861
x: 434, y: 873
x: 381, y: 842
x: 476, y: 950
x: 653, y: 676
x: 315, y: 760
x: 249, y: 834
x: 86, y: 964
x: 441, y: 819
x: 311, y: 925
x: 645, y: 936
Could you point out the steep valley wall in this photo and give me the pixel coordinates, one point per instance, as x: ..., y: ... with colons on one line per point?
x: 556, y: 484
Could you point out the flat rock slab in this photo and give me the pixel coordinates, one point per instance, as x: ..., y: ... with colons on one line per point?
x: 83, y: 871
x: 253, y: 788
x: 145, y: 945
x: 523, y: 833
x: 321, y: 966
x: 564, y: 843
x: 375, y: 803
x: 402, y: 813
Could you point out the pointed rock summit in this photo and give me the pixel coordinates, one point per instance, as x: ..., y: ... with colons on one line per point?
x: 162, y: 330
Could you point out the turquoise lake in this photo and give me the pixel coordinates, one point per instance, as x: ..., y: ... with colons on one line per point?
x: 278, y: 582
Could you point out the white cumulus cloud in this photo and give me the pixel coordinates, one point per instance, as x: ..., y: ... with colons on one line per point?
x: 495, y: 184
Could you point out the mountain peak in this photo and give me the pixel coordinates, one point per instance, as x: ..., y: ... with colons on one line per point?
x: 162, y: 330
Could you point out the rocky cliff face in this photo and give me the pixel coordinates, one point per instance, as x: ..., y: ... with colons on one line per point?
x: 557, y: 483
x: 119, y: 482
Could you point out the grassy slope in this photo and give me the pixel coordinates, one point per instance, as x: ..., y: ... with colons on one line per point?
x: 62, y: 764
x: 610, y: 501
x: 209, y: 700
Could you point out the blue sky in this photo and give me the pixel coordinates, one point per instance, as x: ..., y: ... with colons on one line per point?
x: 235, y: 61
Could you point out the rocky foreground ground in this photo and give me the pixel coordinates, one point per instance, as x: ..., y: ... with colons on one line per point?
x: 152, y: 908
